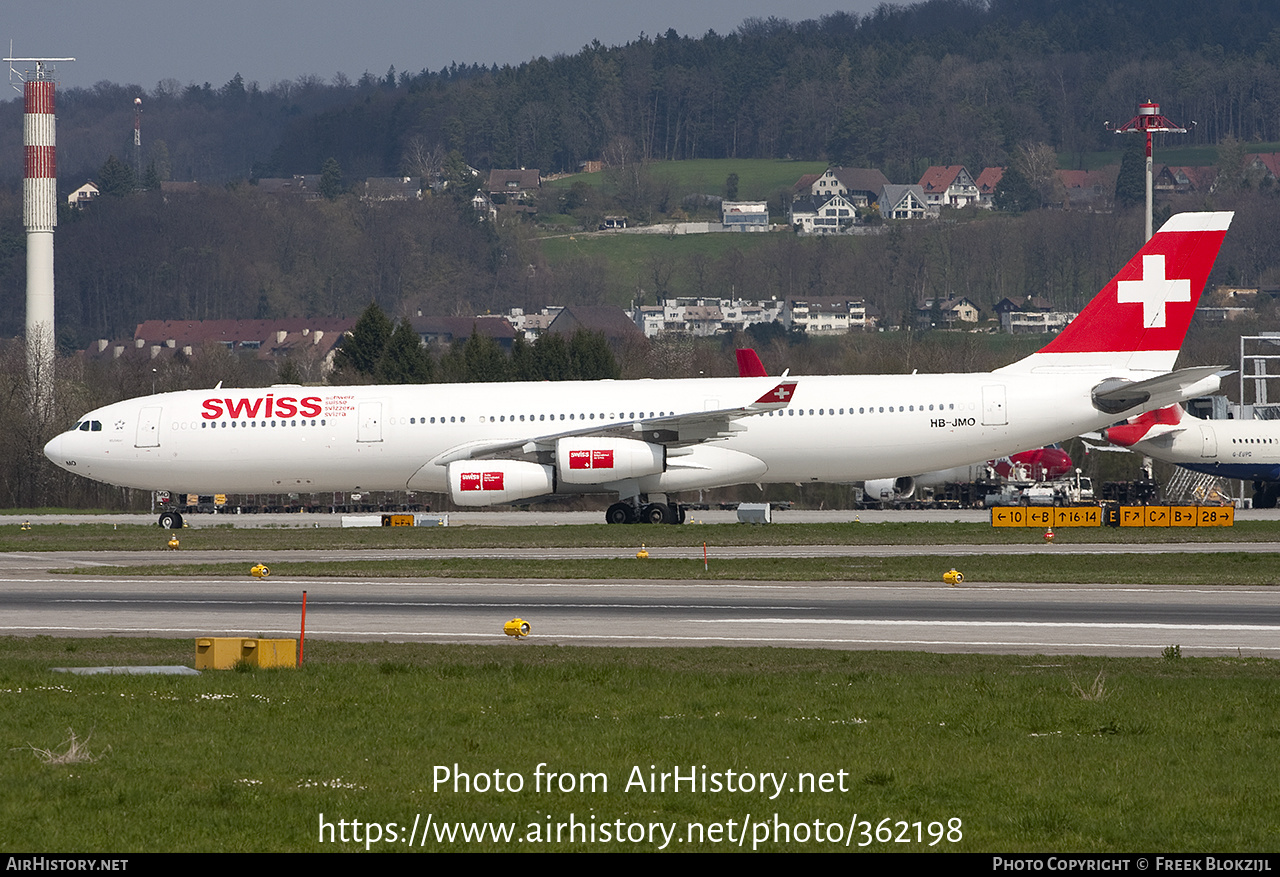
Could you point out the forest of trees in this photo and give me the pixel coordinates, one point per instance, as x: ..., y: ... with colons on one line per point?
x: 938, y: 82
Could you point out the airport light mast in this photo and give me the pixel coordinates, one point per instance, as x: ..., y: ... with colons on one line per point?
x: 1149, y: 121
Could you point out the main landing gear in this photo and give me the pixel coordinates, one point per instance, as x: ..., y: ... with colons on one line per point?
x: 1265, y: 494
x: 636, y: 512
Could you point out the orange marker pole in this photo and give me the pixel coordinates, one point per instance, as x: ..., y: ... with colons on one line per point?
x: 704, y: 557
x: 302, y: 640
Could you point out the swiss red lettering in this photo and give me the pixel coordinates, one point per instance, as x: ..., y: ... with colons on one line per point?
x: 285, y: 406
x: 239, y: 407
x: 579, y: 459
x: 469, y: 481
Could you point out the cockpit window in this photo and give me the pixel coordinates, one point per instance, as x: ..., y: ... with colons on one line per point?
x: 96, y: 425
x: 83, y: 426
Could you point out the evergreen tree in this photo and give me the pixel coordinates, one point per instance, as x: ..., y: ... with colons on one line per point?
x: 591, y: 357
x: 331, y: 179
x: 551, y: 354
x: 151, y: 178
x: 484, y: 359
x: 731, y: 187
x: 1131, y: 183
x: 405, y: 360
x: 524, y: 366
x: 115, y: 179
x: 1014, y: 193
x: 362, y: 350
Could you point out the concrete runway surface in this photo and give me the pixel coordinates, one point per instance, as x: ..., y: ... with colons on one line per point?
x: 1006, y: 618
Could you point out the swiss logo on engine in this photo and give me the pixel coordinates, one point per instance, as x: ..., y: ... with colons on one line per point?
x: 480, y: 481
x: 585, y: 459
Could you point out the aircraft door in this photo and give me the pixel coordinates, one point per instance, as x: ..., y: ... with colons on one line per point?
x: 148, y: 428
x: 369, y: 419
x: 993, y: 406
x: 1208, y: 441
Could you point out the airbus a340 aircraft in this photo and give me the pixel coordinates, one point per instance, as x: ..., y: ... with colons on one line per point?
x: 487, y: 444
x: 1245, y: 449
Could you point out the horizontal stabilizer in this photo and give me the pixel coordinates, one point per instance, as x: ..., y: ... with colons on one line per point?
x: 1116, y: 396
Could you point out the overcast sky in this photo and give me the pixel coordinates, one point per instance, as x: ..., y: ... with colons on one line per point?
x: 144, y: 41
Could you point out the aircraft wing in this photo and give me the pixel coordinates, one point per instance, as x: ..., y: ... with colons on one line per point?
x: 672, y: 430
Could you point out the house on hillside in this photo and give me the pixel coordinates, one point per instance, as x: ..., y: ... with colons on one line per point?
x: 443, y: 331
x: 949, y: 186
x: 513, y: 186
x: 391, y: 189
x: 1088, y: 190
x: 744, y: 215
x: 303, y: 186
x: 825, y: 315
x: 309, y: 343
x: 83, y: 195
x: 610, y: 321
x: 859, y: 186
x: 987, y: 182
x: 1033, y: 315
x: 903, y: 202
x: 1183, y: 180
x: 945, y: 313
x: 823, y: 214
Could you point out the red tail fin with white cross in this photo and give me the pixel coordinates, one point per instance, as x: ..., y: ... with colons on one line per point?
x: 1139, y: 319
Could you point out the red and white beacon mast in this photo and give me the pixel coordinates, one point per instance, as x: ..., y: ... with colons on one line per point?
x: 1149, y: 121
x: 39, y: 216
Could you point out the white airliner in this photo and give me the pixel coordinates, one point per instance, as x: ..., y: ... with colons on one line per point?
x: 1248, y: 450
x: 486, y: 444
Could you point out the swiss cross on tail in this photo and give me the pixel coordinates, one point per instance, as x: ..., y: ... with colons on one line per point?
x: 1148, y: 305
x: 778, y: 397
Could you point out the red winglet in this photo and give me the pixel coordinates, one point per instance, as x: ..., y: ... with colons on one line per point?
x: 779, y: 396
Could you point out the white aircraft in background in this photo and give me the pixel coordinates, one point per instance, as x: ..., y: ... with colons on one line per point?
x: 486, y: 444
x: 1248, y: 450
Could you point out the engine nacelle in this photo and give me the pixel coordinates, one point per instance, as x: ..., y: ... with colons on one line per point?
x: 703, y: 466
x: 589, y: 460
x: 889, y: 489
x: 490, y: 482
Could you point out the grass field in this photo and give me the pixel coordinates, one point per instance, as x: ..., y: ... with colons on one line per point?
x: 205, y: 534
x: 758, y: 179
x: 1233, y: 568
x: 984, y: 753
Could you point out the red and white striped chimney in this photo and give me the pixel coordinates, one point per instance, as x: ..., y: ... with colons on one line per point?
x: 39, y: 216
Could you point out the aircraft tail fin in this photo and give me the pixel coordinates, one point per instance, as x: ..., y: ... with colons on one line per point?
x: 749, y: 364
x: 1139, y: 319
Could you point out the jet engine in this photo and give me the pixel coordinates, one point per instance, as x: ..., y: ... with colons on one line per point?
x: 889, y: 489
x: 490, y: 482
x: 589, y: 460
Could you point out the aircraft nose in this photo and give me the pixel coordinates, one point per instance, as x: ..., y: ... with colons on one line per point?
x: 53, y: 449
